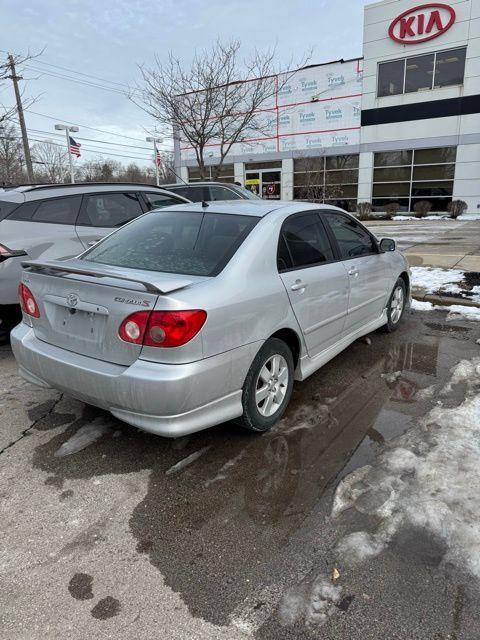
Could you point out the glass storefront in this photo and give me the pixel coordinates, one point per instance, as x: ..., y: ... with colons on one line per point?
x: 330, y: 179
x: 406, y: 177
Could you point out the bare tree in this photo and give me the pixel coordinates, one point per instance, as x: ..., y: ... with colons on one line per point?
x: 315, y: 187
x: 11, y: 162
x: 51, y: 160
x: 210, y: 102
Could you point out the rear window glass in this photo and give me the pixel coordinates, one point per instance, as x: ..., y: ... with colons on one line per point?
x: 6, y: 208
x: 189, y: 243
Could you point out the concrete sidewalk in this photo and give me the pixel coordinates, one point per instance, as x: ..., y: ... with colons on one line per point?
x: 435, y: 243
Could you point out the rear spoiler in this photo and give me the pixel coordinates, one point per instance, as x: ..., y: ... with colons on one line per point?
x: 56, y: 269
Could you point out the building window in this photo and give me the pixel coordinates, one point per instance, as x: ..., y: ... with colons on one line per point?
x: 406, y: 177
x: 333, y: 180
x: 226, y: 174
x: 421, y: 73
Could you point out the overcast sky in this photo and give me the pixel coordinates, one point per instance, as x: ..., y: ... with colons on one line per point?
x: 110, y: 38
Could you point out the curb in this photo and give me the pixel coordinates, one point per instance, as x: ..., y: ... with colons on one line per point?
x: 446, y: 301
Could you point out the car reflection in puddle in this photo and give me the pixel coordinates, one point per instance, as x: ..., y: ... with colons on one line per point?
x: 228, y: 528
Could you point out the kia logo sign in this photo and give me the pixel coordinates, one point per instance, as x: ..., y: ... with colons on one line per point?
x: 421, y: 24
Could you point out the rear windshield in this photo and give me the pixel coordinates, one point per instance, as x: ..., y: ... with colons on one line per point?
x: 189, y: 243
x: 6, y: 208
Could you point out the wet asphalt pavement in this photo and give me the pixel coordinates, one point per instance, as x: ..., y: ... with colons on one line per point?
x: 136, y: 536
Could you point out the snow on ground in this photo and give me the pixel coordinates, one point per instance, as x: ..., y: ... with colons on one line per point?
x: 465, y: 216
x: 434, y: 280
x: 185, y: 462
x: 84, y: 437
x: 311, y: 604
x: 456, y: 311
x: 428, y: 478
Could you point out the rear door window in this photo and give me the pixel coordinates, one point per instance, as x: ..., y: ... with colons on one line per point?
x: 193, y: 193
x: 303, y: 243
x: 7, y: 208
x: 56, y: 210
x: 109, y: 209
x: 353, y: 240
x: 222, y: 193
x: 193, y: 243
x: 158, y: 201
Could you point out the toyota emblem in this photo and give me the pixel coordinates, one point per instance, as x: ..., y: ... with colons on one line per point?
x: 72, y: 299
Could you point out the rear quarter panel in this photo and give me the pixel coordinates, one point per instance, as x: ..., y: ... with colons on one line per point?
x: 49, y: 241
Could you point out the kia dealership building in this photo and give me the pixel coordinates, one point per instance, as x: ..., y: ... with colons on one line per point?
x: 400, y: 124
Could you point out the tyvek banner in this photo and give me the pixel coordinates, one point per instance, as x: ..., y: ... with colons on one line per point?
x: 317, y: 107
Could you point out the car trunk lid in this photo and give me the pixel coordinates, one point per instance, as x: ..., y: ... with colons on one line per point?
x: 82, y: 308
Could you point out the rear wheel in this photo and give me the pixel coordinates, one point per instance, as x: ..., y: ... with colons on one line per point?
x: 268, y: 386
x: 396, y: 306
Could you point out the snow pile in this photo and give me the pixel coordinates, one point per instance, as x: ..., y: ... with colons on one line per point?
x: 428, y: 478
x: 455, y: 311
x: 85, y: 436
x: 433, y: 280
x: 313, y: 604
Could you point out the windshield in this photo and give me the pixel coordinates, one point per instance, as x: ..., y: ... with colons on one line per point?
x: 188, y: 243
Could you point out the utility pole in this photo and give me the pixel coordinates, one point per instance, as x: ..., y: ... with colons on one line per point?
x: 26, y: 149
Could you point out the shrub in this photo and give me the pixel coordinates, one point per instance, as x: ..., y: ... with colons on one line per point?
x: 364, y: 210
x: 391, y: 210
x: 422, y: 208
x: 456, y: 208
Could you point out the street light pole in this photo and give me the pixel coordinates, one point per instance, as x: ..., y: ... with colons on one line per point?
x: 155, y: 155
x: 67, y: 129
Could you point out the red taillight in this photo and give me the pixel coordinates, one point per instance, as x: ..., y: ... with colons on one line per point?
x: 162, y: 328
x: 27, y: 301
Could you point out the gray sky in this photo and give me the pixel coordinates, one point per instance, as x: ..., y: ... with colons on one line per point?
x: 108, y: 39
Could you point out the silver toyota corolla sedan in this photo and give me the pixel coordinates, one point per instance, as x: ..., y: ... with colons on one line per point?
x: 197, y: 314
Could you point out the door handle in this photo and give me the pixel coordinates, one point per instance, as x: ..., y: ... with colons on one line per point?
x: 353, y: 272
x: 299, y: 286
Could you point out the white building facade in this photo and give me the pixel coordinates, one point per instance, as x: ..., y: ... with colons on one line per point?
x: 399, y: 125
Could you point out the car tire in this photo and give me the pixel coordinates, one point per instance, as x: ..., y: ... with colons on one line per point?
x: 268, y: 386
x: 396, y: 306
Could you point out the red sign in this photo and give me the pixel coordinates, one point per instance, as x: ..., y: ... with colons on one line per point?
x: 422, y: 23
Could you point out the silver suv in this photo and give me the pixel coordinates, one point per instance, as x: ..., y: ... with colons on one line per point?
x: 211, y: 191
x: 61, y: 220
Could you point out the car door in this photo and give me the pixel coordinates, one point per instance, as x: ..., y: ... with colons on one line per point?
x: 315, y: 281
x: 101, y: 213
x: 368, y: 270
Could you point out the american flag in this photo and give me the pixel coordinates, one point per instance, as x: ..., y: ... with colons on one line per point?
x: 74, y: 147
x: 158, y: 159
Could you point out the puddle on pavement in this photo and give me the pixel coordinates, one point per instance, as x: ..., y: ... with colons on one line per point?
x: 218, y: 529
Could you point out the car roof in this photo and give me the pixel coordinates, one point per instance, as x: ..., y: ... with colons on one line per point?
x: 200, y: 183
x: 258, y: 208
x: 24, y: 193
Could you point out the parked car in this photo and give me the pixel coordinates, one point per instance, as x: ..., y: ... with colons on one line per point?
x: 198, y: 314
x: 211, y: 191
x: 61, y: 220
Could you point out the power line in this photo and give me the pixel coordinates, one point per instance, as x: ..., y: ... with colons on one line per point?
x: 77, y: 81
x: 84, y: 126
x: 80, y: 73
x: 91, y: 150
x: 80, y: 137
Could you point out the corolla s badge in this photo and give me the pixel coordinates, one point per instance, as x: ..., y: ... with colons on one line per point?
x: 72, y: 299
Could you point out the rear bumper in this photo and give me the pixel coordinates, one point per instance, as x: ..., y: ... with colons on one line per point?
x: 169, y: 400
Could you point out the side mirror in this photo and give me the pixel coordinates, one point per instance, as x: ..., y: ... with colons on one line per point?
x: 387, y: 244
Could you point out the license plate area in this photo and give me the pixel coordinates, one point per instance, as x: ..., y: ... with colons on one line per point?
x: 86, y: 325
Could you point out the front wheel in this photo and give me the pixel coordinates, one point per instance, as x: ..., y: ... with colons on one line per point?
x: 268, y: 386
x: 396, y: 306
